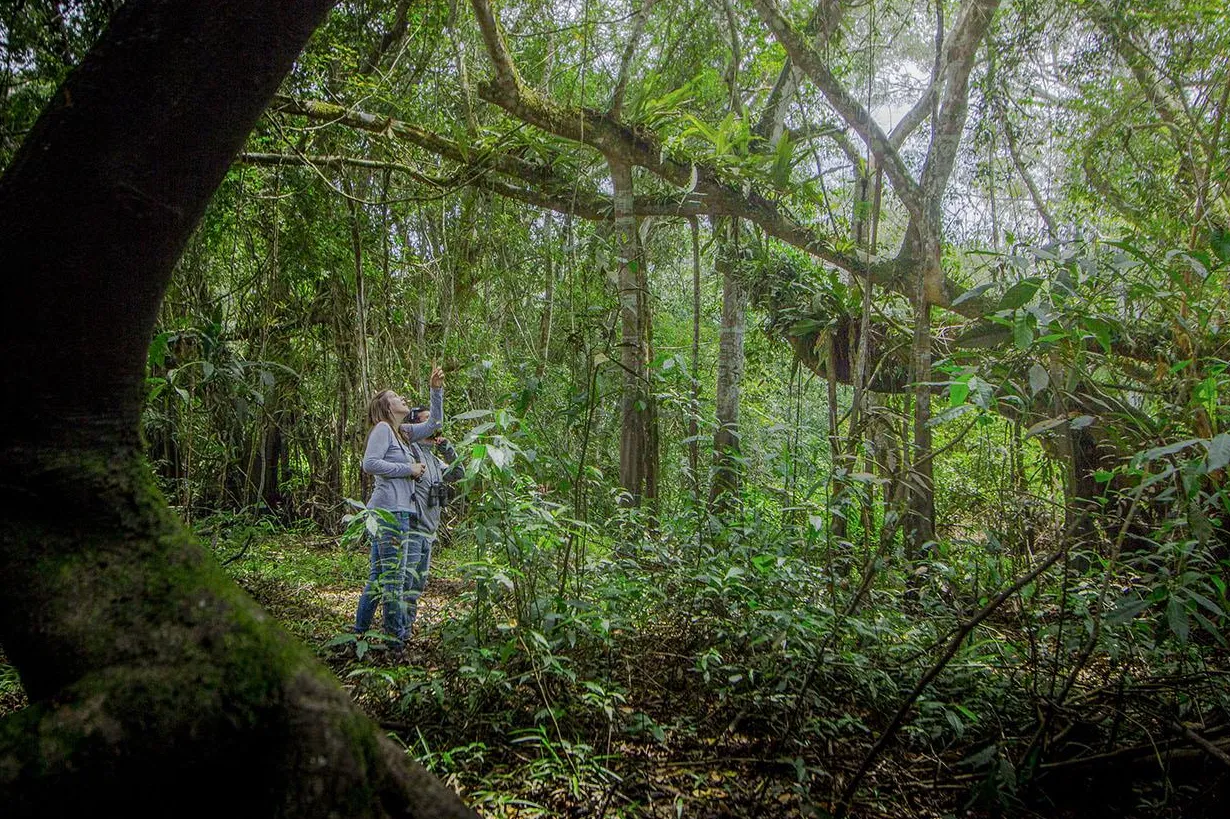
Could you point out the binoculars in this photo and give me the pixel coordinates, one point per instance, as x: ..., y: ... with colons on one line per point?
x: 437, y: 495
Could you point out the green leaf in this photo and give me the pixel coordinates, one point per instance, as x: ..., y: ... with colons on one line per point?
x: 1219, y: 452
x: 1043, y: 426
x: 981, y: 759
x: 500, y: 456
x: 1200, y: 525
x: 1101, y: 330
x: 983, y: 336
x: 481, y: 429
x: 158, y: 349
x: 472, y: 414
x: 1022, y: 333
x: 1211, y: 627
x: 702, y: 128
x: 1126, y: 611
x: 807, y: 326
x: 1169, y: 449
x: 957, y: 393
x: 951, y: 413
x: 1219, y: 240
x: 783, y: 161
x: 1176, y: 618
x: 972, y: 293
x: 1019, y: 294
x: 348, y: 638
x: 1207, y: 603
x: 1039, y: 379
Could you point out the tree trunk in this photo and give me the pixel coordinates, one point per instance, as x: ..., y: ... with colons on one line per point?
x: 360, y: 291
x: 694, y: 405
x: 651, y: 454
x: 920, y: 512
x: 548, y: 299
x: 634, y: 400
x: 148, y: 670
x: 728, y: 470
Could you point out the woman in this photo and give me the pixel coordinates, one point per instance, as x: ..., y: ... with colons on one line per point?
x: 390, y: 458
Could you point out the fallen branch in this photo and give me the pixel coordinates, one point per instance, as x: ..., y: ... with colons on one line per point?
x: 843, y: 803
x: 1213, y: 750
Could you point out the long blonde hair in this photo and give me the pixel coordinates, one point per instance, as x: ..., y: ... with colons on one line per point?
x: 380, y: 408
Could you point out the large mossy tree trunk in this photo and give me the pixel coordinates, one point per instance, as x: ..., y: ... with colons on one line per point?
x: 155, y: 684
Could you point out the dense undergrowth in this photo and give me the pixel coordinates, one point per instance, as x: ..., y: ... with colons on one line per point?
x: 682, y: 664
x: 625, y: 670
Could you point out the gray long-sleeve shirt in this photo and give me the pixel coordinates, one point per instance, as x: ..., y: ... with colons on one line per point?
x: 392, y: 462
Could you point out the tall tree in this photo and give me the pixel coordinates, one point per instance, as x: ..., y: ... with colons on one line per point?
x: 727, y: 455
x: 635, y: 398
x: 945, y: 103
x: 147, y: 669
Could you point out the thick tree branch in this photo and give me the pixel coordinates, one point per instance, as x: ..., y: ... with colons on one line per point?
x: 493, y: 37
x: 709, y: 194
x: 534, y: 173
x: 625, y: 64
x: 275, y: 160
x: 639, y: 147
x: 962, y: 49
x: 824, y: 22
x: 916, y: 116
x: 589, y: 205
x: 850, y: 109
x: 921, y: 200
x: 929, y: 102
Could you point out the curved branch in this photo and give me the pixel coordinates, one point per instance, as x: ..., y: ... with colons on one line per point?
x: 1052, y: 227
x: 535, y: 173
x: 621, y: 86
x: 589, y: 205
x: 703, y: 190
x: 844, y: 103
x: 967, y: 36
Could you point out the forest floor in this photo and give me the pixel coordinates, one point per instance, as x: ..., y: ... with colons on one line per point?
x: 526, y: 746
x: 509, y: 757
x: 724, y: 769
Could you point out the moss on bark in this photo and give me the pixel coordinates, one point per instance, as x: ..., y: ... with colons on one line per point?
x: 156, y: 685
x: 152, y: 674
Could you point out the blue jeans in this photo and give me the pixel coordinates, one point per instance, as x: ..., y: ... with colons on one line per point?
x: 384, y: 584
x: 418, y: 562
